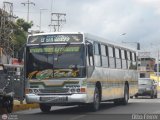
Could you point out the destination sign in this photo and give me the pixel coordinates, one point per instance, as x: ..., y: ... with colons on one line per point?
x: 55, y: 38
x: 55, y: 50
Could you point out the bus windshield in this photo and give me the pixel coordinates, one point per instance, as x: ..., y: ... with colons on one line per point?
x: 55, y: 61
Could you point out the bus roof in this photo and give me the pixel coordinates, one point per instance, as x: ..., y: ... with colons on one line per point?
x: 51, y: 33
x: 90, y: 37
x: 106, y: 41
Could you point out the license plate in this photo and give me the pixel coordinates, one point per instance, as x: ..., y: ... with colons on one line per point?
x: 54, y: 99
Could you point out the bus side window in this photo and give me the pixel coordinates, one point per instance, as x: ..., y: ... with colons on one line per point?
x: 124, y: 58
x: 129, y: 60
x: 111, y: 57
x: 134, y: 64
x: 90, y: 55
x: 104, y: 53
x: 118, y: 58
x: 97, y: 55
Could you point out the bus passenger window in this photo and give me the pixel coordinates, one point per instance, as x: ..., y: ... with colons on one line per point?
x: 124, y: 60
x: 118, y: 60
x: 129, y: 60
x: 134, y: 65
x: 111, y: 57
x: 90, y: 55
x: 104, y: 56
x: 97, y: 56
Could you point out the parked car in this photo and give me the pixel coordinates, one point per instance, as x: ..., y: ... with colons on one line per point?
x: 147, y: 87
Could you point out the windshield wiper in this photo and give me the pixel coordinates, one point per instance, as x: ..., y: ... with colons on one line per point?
x: 143, y: 84
x: 63, y: 49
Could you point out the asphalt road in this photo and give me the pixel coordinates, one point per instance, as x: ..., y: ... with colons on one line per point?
x: 137, y: 109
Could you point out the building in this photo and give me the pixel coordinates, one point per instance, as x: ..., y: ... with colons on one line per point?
x: 145, y: 64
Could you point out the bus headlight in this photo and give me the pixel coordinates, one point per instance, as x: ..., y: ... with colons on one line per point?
x: 78, y: 90
x: 30, y: 91
x: 72, y: 90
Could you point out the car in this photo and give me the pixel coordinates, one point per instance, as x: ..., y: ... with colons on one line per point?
x: 147, y: 87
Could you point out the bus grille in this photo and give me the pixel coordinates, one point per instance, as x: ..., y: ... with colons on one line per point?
x: 62, y: 90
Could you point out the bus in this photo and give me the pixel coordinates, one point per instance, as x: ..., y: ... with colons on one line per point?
x: 74, y: 68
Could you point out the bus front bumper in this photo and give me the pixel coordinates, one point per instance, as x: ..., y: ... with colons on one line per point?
x: 73, y: 98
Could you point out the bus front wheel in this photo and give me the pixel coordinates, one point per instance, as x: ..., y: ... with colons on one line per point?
x: 45, y: 107
x: 96, y: 100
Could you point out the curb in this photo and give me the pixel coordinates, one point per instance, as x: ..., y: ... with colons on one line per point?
x: 24, y: 107
x: 19, y: 107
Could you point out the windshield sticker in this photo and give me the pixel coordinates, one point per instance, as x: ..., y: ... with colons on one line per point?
x: 48, y: 74
x: 54, y: 50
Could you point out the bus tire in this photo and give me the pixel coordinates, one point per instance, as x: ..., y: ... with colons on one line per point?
x: 44, y: 107
x: 96, y: 100
x: 126, y: 95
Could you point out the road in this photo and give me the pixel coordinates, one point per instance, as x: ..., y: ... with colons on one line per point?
x: 136, y: 108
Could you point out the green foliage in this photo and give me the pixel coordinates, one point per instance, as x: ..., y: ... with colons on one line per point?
x: 24, y: 25
x: 20, y: 33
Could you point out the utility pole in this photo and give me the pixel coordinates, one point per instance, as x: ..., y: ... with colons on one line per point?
x: 56, y: 21
x: 6, y: 29
x: 28, y: 3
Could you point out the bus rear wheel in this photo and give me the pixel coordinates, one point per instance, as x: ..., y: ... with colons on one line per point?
x: 44, y: 107
x: 124, y: 100
x: 126, y: 95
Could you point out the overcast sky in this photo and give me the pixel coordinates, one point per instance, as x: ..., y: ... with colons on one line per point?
x: 138, y: 19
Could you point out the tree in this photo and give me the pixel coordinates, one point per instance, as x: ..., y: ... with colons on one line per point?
x: 24, y: 25
x: 20, y: 33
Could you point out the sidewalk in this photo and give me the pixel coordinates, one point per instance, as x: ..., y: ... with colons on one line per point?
x: 24, y: 106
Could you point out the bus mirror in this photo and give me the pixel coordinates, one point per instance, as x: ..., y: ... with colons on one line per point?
x: 90, y: 50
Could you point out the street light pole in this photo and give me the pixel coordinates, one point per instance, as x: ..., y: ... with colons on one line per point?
x: 40, y: 18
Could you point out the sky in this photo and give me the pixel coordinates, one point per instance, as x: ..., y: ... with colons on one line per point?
x: 118, y: 21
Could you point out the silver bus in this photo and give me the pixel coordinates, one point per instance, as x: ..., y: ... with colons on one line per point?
x: 78, y: 68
